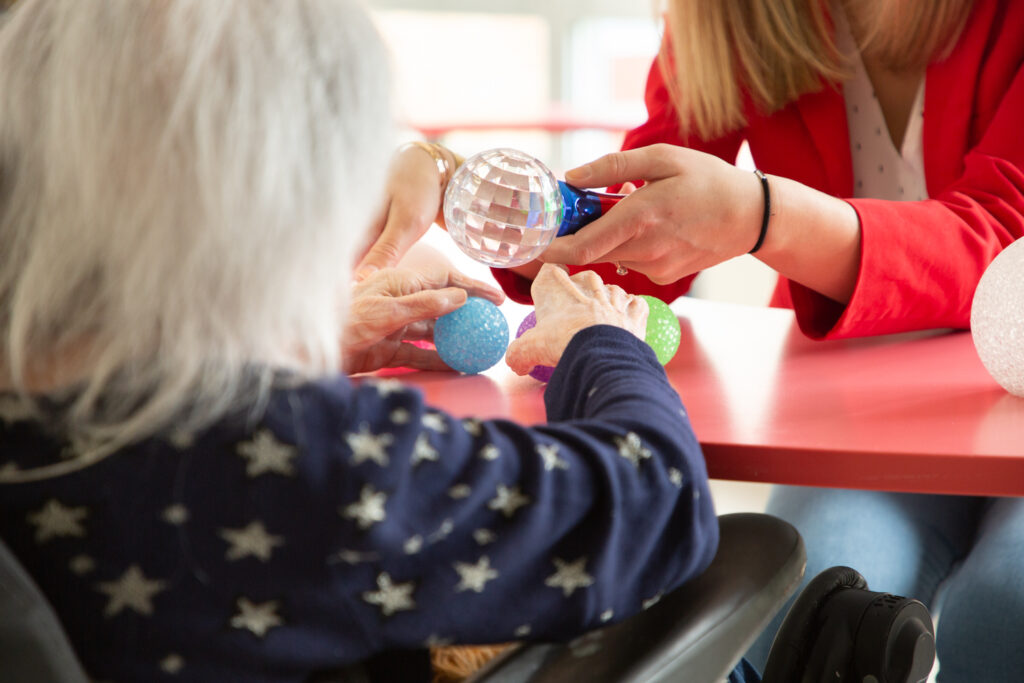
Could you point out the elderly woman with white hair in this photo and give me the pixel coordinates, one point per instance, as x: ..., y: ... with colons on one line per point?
x: 186, y: 469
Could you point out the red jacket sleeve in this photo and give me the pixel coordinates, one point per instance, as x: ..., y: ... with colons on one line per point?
x: 921, y: 261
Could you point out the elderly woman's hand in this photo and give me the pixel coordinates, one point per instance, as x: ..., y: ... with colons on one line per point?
x: 413, y: 196
x: 396, y: 305
x: 564, y: 306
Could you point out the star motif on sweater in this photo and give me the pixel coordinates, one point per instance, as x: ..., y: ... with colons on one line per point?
x: 434, y: 421
x: 391, y: 597
x: 400, y: 416
x: 386, y: 387
x: 472, y: 426
x: 460, y: 491
x: 176, y: 514
x: 256, y: 618
x: 366, y: 445
x: 265, y: 453
x: 82, y: 564
x: 368, y: 510
x: 569, y: 576
x: 133, y: 591
x: 172, y: 663
x: 490, y: 452
x: 474, y: 577
x: 549, y: 454
x: 508, y: 499
x: 484, y: 536
x: 251, y: 541
x: 55, y: 520
x: 632, y: 448
x: 422, y: 451
x: 675, y: 476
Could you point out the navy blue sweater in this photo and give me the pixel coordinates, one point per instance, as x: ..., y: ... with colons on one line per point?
x: 350, y: 518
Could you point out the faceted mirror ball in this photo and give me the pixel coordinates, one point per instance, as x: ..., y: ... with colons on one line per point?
x: 472, y: 338
x: 503, y: 207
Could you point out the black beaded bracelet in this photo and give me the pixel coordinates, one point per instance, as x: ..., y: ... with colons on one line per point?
x: 767, y: 210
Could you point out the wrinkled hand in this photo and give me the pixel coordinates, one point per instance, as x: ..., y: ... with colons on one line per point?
x: 395, y: 305
x: 412, y: 201
x: 693, y: 212
x: 564, y: 306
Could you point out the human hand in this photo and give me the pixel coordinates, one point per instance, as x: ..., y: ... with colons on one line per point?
x: 564, y: 306
x: 412, y: 202
x: 394, y: 305
x: 693, y: 212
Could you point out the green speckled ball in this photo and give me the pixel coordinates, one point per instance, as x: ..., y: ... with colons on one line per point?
x: 663, y: 331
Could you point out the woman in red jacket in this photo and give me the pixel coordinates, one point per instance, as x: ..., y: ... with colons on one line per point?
x: 889, y: 136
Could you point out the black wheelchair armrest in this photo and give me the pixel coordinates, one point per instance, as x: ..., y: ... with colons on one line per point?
x: 696, y: 633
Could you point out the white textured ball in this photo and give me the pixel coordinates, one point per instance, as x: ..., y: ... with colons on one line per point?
x: 997, y: 318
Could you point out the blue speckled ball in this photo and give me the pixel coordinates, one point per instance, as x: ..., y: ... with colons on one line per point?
x: 473, y: 337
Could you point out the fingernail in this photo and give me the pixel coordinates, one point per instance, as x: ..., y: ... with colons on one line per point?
x: 579, y: 174
x: 365, y: 272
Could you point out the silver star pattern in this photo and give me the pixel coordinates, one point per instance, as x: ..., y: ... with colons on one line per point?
x: 472, y: 426
x: 400, y: 416
x: 490, y: 452
x: 82, y: 564
x: 176, y: 514
x: 385, y: 387
x: 391, y: 597
x: 484, y: 536
x: 172, y: 664
x: 508, y: 499
x: 353, y: 557
x: 443, y: 531
x: 422, y: 451
x: 55, y: 520
x: 265, y: 453
x: 251, y: 541
x: 549, y: 454
x: 632, y: 448
x: 569, y: 576
x: 366, y: 445
x: 675, y: 476
x: 132, y: 591
x: 413, y: 545
x: 474, y: 577
x: 651, y: 602
x: 256, y: 618
x: 522, y: 631
x: 434, y: 640
x: 434, y: 421
x: 369, y: 509
x: 607, y: 615
x: 460, y: 491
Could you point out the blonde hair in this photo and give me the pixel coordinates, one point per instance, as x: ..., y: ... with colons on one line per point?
x: 777, y: 50
x: 183, y: 184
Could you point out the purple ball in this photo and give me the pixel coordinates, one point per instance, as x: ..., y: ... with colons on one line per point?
x: 541, y: 373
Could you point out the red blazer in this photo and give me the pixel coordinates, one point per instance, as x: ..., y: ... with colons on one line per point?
x: 920, y: 261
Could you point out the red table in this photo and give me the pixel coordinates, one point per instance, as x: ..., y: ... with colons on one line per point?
x: 911, y: 412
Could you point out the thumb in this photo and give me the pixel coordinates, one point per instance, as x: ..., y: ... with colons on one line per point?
x: 528, y: 351
x: 427, y: 305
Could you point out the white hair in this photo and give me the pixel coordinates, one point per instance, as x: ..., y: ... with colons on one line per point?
x: 183, y: 186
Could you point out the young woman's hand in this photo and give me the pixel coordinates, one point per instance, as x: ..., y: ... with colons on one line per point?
x: 392, y: 306
x: 693, y: 212
x: 564, y: 306
x: 412, y: 202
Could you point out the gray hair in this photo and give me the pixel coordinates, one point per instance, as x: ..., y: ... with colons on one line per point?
x: 183, y: 187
